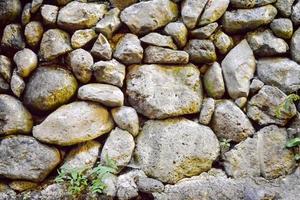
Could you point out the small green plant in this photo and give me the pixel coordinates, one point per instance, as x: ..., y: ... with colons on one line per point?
x: 225, y: 145
x: 286, y: 104
x: 295, y: 142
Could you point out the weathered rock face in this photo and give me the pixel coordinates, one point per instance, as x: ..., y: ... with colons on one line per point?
x: 157, y: 39
x: 250, y: 3
x: 214, y: 82
x: 9, y: 11
x: 14, y: 117
x: 12, y: 37
x: 26, y: 61
x: 191, y: 11
x: 285, y: 7
x: 49, y: 87
x: 24, y: 158
x: 201, y: 51
x: 295, y: 46
x: 282, y: 27
x: 178, y: 32
x: 74, y: 123
x: 33, y: 33
x: 172, y: 149
x: 160, y: 55
x: 109, y: 23
x: 81, y: 38
x: 214, y: 9
x: 144, y: 17
x: 102, y: 49
x: 177, y: 90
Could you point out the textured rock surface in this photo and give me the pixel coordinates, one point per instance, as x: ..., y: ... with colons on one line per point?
x: 201, y: 51
x: 26, y: 61
x: 214, y: 82
x: 295, y: 46
x: 157, y: 39
x: 178, y: 32
x: 9, y: 11
x: 191, y: 11
x: 214, y: 9
x: 160, y: 55
x: 207, y: 110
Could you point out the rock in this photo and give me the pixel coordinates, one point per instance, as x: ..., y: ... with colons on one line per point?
x: 214, y: 82
x: 264, y: 43
x: 144, y: 17
x: 248, y: 19
x: 276, y: 160
x: 284, y: 7
x: 110, y: 72
x: 107, y: 95
x: 262, y: 107
x: 77, y: 15
x: 33, y: 33
x: 111, y: 185
x: 17, y: 163
x: 4, y: 86
x: 295, y: 13
x: 201, y: 51
x: 110, y: 23
x: 55, y: 43
x: 81, y: 38
x: 205, y: 31
x: 282, y: 27
x: 35, y: 5
x: 238, y: 68
x: 102, y: 49
x: 157, y: 39
x: 160, y: 55
x: 256, y: 85
x: 12, y: 37
x: 121, y: 4
x: 191, y: 11
x: 88, y: 121
x: 14, y: 117
x: 6, y: 193
x: 126, y: 118
x: 5, y: 68
x: 214, y: 9
x: 26, y: 14
x: 9, y: 11
x: 119, y: 146
x: 17, y: 84
x: 49, y: 87
x: 164, y: 91
x: 295, y: 46
x: 250, y: 3
x: 81, y: 62
x: 241, y: 102
x: 21, y: 186
x: 129, y: 50
x: 177, y: 147
x: 207, y: 111
x: 26, y: 61
x: 243, y: 159
x: 178, y: 32
x: 49, y: 14
x: 83, y: 156
x: 149, y: 185
x: 229, y: 122
x: 223, y: 42
x: 279, y: 72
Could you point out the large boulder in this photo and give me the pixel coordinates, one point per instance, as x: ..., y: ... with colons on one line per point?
x: 158, y: 91
x: 172, y: 149
x: 9, y: 11
x: 74, y: 123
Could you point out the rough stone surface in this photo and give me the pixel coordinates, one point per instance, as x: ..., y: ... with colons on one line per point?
x: 250, y: 3
x: 81, y: 38
x: 191, y: 11
x: 49, y: 14
x: 178, y: 31
x: 121, y: 4
x: 110, y: 23
x: 295, y: 46
x: 9, y: 11
x: 160, y: 55
x: 33, y: 33
x: 205, y: 31
x: 207, y: 111
x: 222, y: 41
x: 214, y: 82
x: 26, y: 14
x: 5, y: 68
x: 284, y: 7
x: 102, y: 49
x: 201, y: 51
x: 12, y: 37
x: 157, y: 39
x: 282, y: 27
x: 256, y: 85
x: 17, y: 84
x: 214, y: 9
x: 149, y: 185
x: 26, y: 61
x: 295, y: 13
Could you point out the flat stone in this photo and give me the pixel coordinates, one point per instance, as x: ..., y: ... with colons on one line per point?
x: 12, y: 37
x: 285, y: 7
x: 213, y: 11
x: 17, y: 84
x: 5, y: 68
x: 282, y: 27
x: 9, y: 11
x: 178, y: 31
x: 74, y: 123
x: 160, y: 55
x: 201, y: 51
x: 157, y: 39
x: 205, y: 31
x: 81, y: 38
x: 102, y: 49
x: 191, y: 11
x: 213, y: 81
x: 295, y: 46
x: 110, y: 23
x: 33, y: 33
x: 17, y: 163
x: 250, y: 3
x: 177, y: 148
x: 144, y: 17
x: 158, y: 91
x: 26, y: 61
x: 223, y: 42
x: 207, y: 111
x: 49, y: 14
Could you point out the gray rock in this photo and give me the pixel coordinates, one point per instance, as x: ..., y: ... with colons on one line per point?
x: 4, y: 86
x: 250, y: 3
x: 81, y: 38
x: 205, y: 31
x: 33, y: 33
x: 26, y: 61
x: 296, y: 13
x: 157, y: 39
x: 238, y: 69
x: 107, y: 95
x: 144, y: 17
x: 111, y: 185
x: 295, y: 46
x: 256, y: 85
x: 222, y: 41
x: 178, y: 32
x: 26, y: 14
x: 110, y: 23
x: 265, y: 43
x: 49, y: 14
x: 279, y: 72
x: 12, y: 37
x: 17, y: 84
x: 207, y: 111
x: 263, y: 106
x: 14, y: 117
x: 118, y: 146
x: 9, y: 11
x: 35, y: 5
x: 121, y: 4
x: 55, y: 43
x: 282, y: 27
x: 76, y: 15
x: 201, y: 51
x: 6, y: 193
x: 74, y: 123
x: 102, y: 49
x: 214, y: 9
x: 149, y: 185
x: 5, y: 68
x: 229, y: 122
x: 214, y: 82
x: 24, y: 158
x: 164, y: 91
x: 129, y: 49
x: 248, y: 19
x: 110, y: 72
x: 49, y: 87
x: 241, y: 102
x: 160, y: 55
x: 177, y: 147
x: 126, y: 118
x: 284, y: 7
x: 81, y: 62
x: 191, y: 11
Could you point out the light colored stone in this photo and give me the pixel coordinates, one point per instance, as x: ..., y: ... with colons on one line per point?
x: 49, y: 14
x: 201, y: 51
x: 102, y: 49
x: 250, y: 3
x: 149, y: 185
x: 81, y: 38
x: 214, y: 82
x: 12, y: 37
x: 35, y: 5
x: 282, y: 27
x: 256, y: 85
x: 191, y: 11
x: 5, y: 68
x: 241, y: 102
x: 214, y: 9
x: 205, y: 31
x: 157, y: 39
x: 110, y: 23
x: 26, y: 61
x: 222, y: 41
x: 178, y: 31
x: 207, y: 111
x: 17, y: 84
x: 295, y: 13
x: 160, y: 55
x: 33, y: 33
x: 284, y: 7
x: 295, y: 46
